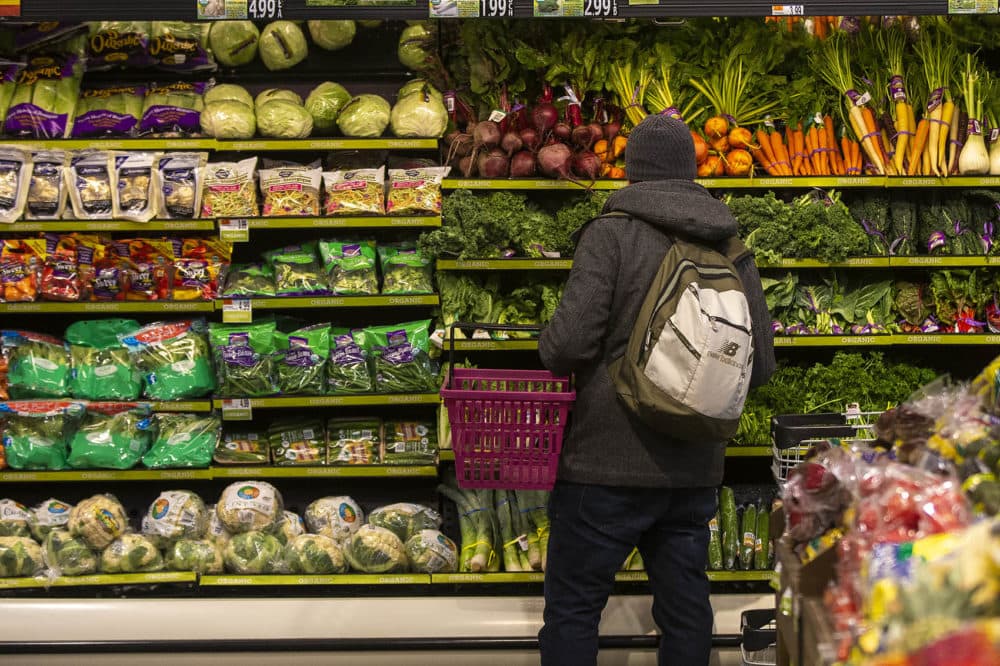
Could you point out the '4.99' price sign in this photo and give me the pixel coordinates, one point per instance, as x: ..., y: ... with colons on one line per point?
x: 265, y: 9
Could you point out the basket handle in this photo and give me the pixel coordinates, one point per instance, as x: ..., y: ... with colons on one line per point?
x: 485, y: 327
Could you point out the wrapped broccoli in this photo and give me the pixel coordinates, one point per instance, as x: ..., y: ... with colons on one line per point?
x: 184, y: 440
x: 38, y: 365
x: 199, y: 555
x: 98, y: 520
x: 375, y: 550
x: 429, y: 551
x: 253, y: 553
x: 335, y: 517
x: 249, y: 280
x: 112, y: 436
x: 47, y: 516
x: 404, y: 520
x: 247, y: 506
x: 314, y: 554
x: 19, y: 557
x: 175, y: 514
x: 14, y: 519
x: 35, y: 435
x: 405, y: 270
x: 351, y: 266
x: 102, y: 369
x: 68, y: 555
x: 291, y: 526
x: 131, y: 553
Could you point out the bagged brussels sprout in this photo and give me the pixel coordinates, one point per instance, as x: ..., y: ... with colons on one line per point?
x: 230, y: 189
x: 43, y: 101
x: 348, y: 370
x: 375, y: 550
x: 91, y: 180
x: 324, y: 104
x: 228, y: 119
x: 198, y: 555
x: 402, y: 363
x: 357, y: 192
x: 282, y: 45
x: 217, y: 532
x: 113, y: 435
x: 38, y: 365
x: 234, y: 43
x: 131, y: 553
x: 410, y: 443
x: 68, y: 555
x: 135, y: 196
x: 52, y: 514
x: 314, y: 554
x: 35, y: 435
x: 300, y: 362
x: 102, y: 369
x: 335, y: 517
x: 416, y: 191
x: 179, y: 178
x: 249, y: 280
x: 405, y: 270
x: 290, y: 190
x: 351, y: 266
x: 14, y: 519
x: 47, y: 187
x: 282, y: 119
x: 173, y: 109
x: 291, y: 526
x: 404, y: 519
x: 174, y: 358
x: 247, y: 506
x: 430, y: 552
x: 417, y: 47
x: 98, y: 520
x: 365, y: 116
x: 175, y: 514
x: 254, y: 553
x: 353, y: 442
x: 184, y: 440
x: 419, y: 114
x: 228, y: 92
x: 243, y: 358
x: 177, y: 46
x: 242, y: 448
x: 272, y: 94
x: 109, y: 111
x: 298, y: 443
x: 297, y: 271
x: 20, y: 557
x: 332, y: 35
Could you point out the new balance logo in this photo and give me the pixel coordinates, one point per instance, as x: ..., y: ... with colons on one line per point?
x: 730, y: 348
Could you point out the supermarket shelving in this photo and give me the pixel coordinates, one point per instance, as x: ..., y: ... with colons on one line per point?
x: 8, y: 476
x: 297, y: 402
x: 342, y: 222
x: 50, y: 307
x: 300, y: 302
x: 514, y: 264
x: 112, y: 225
x: 257, y: 145
x: 102, y: 580
x: 234, y: 472
x: 883, y: 340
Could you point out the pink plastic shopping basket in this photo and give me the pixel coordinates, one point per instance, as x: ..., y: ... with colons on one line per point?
x: 507, y: 426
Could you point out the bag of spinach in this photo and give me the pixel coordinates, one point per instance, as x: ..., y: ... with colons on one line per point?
x: 102, y: 369
x: 184, y: 440
x: 351, y: 267
x: 401, y: 360
x: 35, y: 435
x: 174, y: 358
x: 112, y: 436
x: 405, y: 270
x: 348, y: 369
x: 244, y: 362
x: 297, y: 271
x: 300, y: 360
x: 38, y: 365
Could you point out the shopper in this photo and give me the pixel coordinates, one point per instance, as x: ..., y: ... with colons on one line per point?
x: 621, y: 484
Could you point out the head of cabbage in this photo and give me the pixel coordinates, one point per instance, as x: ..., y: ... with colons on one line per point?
x: 324, y: 104
x: 247, y: 506
x: 365, y: 116
x: 332, y: 35
x: 20, y: 556
x: 69, y: 555
x: 229, y: 91
x: 419, y: 114
x: 131, y: 553
x: 175, y: 514
x: 199, y: 555
x: 314, y: 554
x: 229, y: 119
x: 416, y: 46
x: 276, y: 93
x: 253, y: 553
x: 282, y: 45
x: 281, y: 119
x: 412, y: 86
x: 234, y: 43
x: 98, y: 520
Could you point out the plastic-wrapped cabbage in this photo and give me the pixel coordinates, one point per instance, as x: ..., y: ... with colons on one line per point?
x: 282, y: 119
x: 410, y: 87
x: 324, y: 104
x: 228, y: 91
x: 199, y: 555
x: 416, y: 46
x: 282, y: 45
x: 20, y: 556
x: 246, y: 506
x: 52, y: 514
x: 14, y: 519
x: 365, y: 116
x: 234, y: 43
x: 291, y: 526
x: 404, y: 519
x: 228, y: 119
x: 68, y: 555
x: 217, y: 532
x: 375, y: 550
x: 431, y: 552
x: 419, y: 114
x: 131, y: 553
x: 272, y: 94
x: 314, y: 554
x: 175, y: 514
x: 98, y: 520
x: 332, y: 35
x: 253, y: 553
x: 335, y: 517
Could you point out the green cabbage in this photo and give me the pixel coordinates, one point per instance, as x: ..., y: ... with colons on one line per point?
x: 228, y: 119
x: 376, y: 550
x: 335, y: 517
x: 98, y: 520
x: 314, y: 554
x: 234, y: 43
x: 253, y: 553
x: 199, y: 555
x: 429, y: 551
x: 68, y: 555
x: 332, y: 35
x: 282, y: 119
x: 175, y: 514
x: 416, y: 47
x: 418, y: 114
x: 228, y: 91
x: 15, y: 520
x: 131, y: 553
x: 282, y: 45
x: 276, y: 93
x: 370, y: 23
x: 20, y: 556
x: 325, y: 103
x: 412, y: 86
x: 365, y: 116
x: 247, y: 506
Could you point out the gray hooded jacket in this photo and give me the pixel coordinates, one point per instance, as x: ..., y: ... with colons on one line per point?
x: 613, y: 267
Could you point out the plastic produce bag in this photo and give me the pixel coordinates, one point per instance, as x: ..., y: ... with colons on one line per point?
x: 314, y: 554
x: 38, y: 365
x: 113, y: 44
x: 282, y: 45
x: 148, y: 265
x: 405, y: 519
x: 416, y: 191
x: 290, y: 191
x: 405, y: 270
x: 60, y: 280
x: 234, y: 43
x: 98, y: 520
x: 102, y: 369
x: 291, y: 526
x: 335, y: 517
x: 8, y: 83
x: 15, y: 519
x: 47, y: 185
x: 20, y: 269
x: 430, y: 552
x: 175, y: 514
x: 217, y: 532
x: 200, y: 265
x: 246, y: 506
x: 409, y: 443
x: 249, y: 280
x: 375, y: 550
x: 20, y: 557
x: 355, y: 192
x: 348, y: 368
x: 45, y: 97
x: 402, y: 364
x: 92, y: 185
x: 244, y: 360
x: 68, y: 555
x: 201, y: 556
x: 179, y: 179
x: 174, y: 358
x: 183, y: 440
x: 173, y: 109
x: 36, y: 434
x: 177, y: 46
x: 229, y: 190
x: 254, y: 553
x: 131, y: 553
x: 135, y: 195
x: 353, y: 441
x: 242, y: 448
x: 351, y: 266
x: 108, y: 111
x: 15, y: 179
x: 297, y: 443
x: 52, y: 514
x: 112, y: 435
x: 300, y: 360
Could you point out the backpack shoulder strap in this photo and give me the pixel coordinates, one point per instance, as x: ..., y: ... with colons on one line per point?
x: 734, y: 250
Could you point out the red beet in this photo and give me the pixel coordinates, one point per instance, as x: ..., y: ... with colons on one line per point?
x: 459, y: 145
x: 554, y: 161
x: 531, y: 139
x: 612, y: 129
x: 544, y: 117
x: 562, y: 131
x: 493, y: 164
x: 523, y: 165
x: 486, y: 134
x: 466, y: 166
x: 586, y: 165
x: 582, y: 137
x: 511, y: 143
x: 596, y: 132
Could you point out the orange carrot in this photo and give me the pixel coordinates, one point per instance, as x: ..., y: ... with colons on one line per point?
x: 836, y: 160
x: 919, y: 143
x: 764, y: 142
x: 781, y: 152
x: 762, y: 159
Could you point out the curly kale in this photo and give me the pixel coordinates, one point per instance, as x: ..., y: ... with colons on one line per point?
x: 811, y: 227
x: 752, y: 212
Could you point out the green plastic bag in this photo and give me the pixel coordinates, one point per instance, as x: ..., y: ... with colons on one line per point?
x: 348, y: 369
x: 112, y: 436
x: 250, y: 280
x: 402, y: 364
x: 244, y: 361
x: 297, y: 442
x: 36, y: 434
x: 405, y: 270
x: 102, y: 368
x: 351, y: 267
x: 409, y: 443
x: 300, y: 362
x: 184, y: 440
x: 38, y: 365
x: 174, y: 359
x: 297, y: 271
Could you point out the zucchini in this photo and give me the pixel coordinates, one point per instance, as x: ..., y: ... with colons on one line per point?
x: 714, y: 544
x: 762, y: 549
x: 730, y: 528
x: 749, y: 537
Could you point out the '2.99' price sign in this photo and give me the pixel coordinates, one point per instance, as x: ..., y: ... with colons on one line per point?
x: 600, y: 8
x: 589, y: 8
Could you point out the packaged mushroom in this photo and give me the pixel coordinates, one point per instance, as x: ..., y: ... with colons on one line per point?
x: 91, y: 182
x: 15, y: 172
x: 179, y: 179
x: 47, y: 186
x: 135, y: 194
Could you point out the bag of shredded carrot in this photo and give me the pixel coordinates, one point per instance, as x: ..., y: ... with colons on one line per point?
x: 290, y: 191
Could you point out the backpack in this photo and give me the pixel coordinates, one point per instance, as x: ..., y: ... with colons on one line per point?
x: 686, y: 369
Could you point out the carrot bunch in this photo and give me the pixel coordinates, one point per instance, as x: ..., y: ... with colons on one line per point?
x: 812, y: 151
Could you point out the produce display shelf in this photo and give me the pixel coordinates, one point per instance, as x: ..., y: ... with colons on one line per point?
x: 115, y: 144
x: 488, y: 578
x: 300, y: 302
x: 111, y: 225
x: 48, y: 307
x: 943, y: 261
x: 327, y: 144
x: 504, y: 264
x: 748, y: 451
x: 492, y: 345
x: 182, y: 406
x: 107, y: 475
x: 765, y: 182
x: 295, y: 402
x: 734, y: 183
x: 714, y: 576
x: 327, y: 471
x: 345, y: 579
x: 963, y: 339
x: 341, y: 222
x: 850, y: 262
x: 101, y: 580
x: 951, y: 181
x: 520, y: 184
x: 833, y: 340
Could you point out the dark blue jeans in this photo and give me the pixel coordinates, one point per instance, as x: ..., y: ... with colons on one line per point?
x: 594, y: 528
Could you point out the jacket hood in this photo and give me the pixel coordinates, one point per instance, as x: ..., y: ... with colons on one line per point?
x: 678, y: 207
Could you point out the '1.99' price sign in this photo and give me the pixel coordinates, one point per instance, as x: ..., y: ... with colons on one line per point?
x: 471, y: 8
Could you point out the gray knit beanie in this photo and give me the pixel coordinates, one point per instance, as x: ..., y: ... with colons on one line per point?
x: 660, y: 148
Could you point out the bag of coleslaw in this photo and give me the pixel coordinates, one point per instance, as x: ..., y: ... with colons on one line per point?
x: 355, y: 192
x: 415, y: 191
x: 290, y: 191
x: 228, y: 189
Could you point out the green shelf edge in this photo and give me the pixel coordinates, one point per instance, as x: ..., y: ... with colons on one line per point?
x: 764, y: 182
x: 324, y: 472
x: 790, y: 341
x: 514, y: 264
x: 317, y: 143
x: 70, y: 476
x: 339, y: 401
x: 936, y: 261
x: 748, y: 452
x: 230, y: 580
x: 301, y: 302
x: 342, y: 222
x: 492, y: 345
x: 111, y: 225
x: 156, y: 578
x: 46, y: 307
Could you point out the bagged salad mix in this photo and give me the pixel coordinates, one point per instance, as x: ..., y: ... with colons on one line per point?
x: 355, y: 192
x: 183, y: 440
x: 415, y: 191
x: 244, y: 357
x: 297, y: 442
x: 351, y: 266
x: 401, y: 360
x: 108, y: 111
x: 174, y: 358
x: 405, y: 270
x: 112, y: 435
x: 297, y: 271
x: 36, y: 434
x: 228, y: 189
x: 353, y: 441
x: 38, y: 365
x: 290, y: 190
x: 102, y: 368
x: 250, y: 280
x: 300, y: 360
x: 348, y: 370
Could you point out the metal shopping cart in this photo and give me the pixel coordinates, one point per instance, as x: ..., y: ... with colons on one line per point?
x: 793, y: 435
x: 758, y: 645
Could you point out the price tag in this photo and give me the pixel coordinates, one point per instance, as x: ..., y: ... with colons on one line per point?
x: 215, y: 10
x: 265, y: 9
x: 237, y: 311
x: 237, y: 409
x: 471, y: 8
x: 600, y: 8
x: 234, y: 230
x: 497, y: 115
x: 788, y: 10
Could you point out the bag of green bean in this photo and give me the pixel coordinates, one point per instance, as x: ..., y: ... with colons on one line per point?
x: 348, y: 370
x: 38, y: 365
x: 351, y: 266
x: 405, y: 270
x: 244, y: 362
x: 112, y: 436
x: 184, y: 440
x: 102, y: 369
x: 300, y: 360
x: 401, y: 360
x: 174, y: 359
